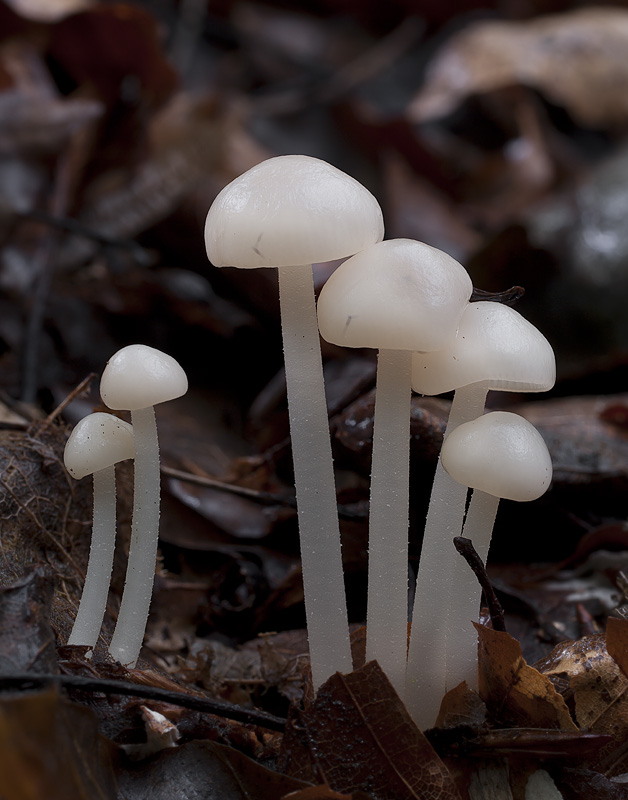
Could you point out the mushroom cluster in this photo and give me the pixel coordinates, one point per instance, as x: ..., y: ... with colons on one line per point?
x: 135, y: 379
x: 411, y: 303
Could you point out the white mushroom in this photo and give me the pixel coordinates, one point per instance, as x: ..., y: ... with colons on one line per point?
x: 499, y: 455
x: 495, y: 348
x: 396, y: 296
x: 97, y: 443
x: 137, y: 378
x: 289, y: 212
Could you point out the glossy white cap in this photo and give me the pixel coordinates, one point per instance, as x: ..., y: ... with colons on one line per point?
x: 138, y: 376
x: 494, y: 344
x: 501, y: 454
x: 98, y: 441
x: 395, y: 295
x: 291, y: 211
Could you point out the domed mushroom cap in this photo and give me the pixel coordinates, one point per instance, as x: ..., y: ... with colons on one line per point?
x: 396, y: 295
x: 501, y: 454
x: 494, y: 343
x: 98, y: 441
x: 139, y: 376
x: 291, y: 211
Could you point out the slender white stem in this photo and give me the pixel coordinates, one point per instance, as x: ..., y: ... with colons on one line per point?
x: 96, y: 589
x: 321, y: 559
x: 127, y: 638
x: 466, y: 593
x: 426, y: 672
x: 387, y: 605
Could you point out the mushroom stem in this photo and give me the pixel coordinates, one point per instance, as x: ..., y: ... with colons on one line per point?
x: 387, y: 604
x: 127, y: 638
x: 321, y: 559
x: 466, y: 593
x: 426, y: 681
x: 96, y: 588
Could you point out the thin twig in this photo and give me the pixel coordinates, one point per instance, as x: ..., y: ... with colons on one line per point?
x: 264, y: 498
x: 26, y: 681
x: 467, y: 551
x: 72, y: 396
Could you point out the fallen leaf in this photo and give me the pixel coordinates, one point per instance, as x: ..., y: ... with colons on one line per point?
x: 617, y: 642
x: 203, y: 769
x: 358, y: 735
x: 598, y: 692
x: 514, y: 692
x: 324, y: 793
x: 461, y: 706
x: 27, y: 643
x: 577, y: 60
x: 51, y: 748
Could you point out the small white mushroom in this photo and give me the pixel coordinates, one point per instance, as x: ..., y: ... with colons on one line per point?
x: 499, y: 455
x: 97, y: 443
x: 137, y: 378
x: 494, y: 348
x: 396, y: 296
x: 289, y: 212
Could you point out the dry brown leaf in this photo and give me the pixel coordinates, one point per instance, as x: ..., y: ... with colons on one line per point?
x: 515, y: 692
x: 461, y: 706
x: 617, y: 642
x: 578, y: 60
x: 358, y: 735
x: 600, y: 694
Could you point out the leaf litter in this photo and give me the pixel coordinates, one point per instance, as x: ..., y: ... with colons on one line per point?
x: 148, y: 149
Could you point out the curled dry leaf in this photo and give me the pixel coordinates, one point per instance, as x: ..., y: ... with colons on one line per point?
x: 598, y: 693
x: 359, y: 736
x: 577, y: 60
x: 513, y: 691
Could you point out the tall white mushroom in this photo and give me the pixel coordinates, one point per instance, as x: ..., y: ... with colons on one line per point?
x: 97, y: 443
x: 289, y: 212
x: 495, y: 348
x: 396, y: 296
x: 499, y: 455
x: 137, y: 378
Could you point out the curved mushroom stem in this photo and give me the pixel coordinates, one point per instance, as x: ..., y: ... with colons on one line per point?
x: 426, y: 672
x: 321, y: 559
x: 127, y: 638
x: 387, y: 605
x: 465, y: 594
x: 96, y: 588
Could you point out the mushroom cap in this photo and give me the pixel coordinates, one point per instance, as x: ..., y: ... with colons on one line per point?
x: 501, y: 454
x: 395, y: 295
x: 98, y: 441
x: 291, y: 211
x: 138, y: 376
x: 495, y: 344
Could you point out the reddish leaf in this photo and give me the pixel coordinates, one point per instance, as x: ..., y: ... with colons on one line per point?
x: 361, y: 737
